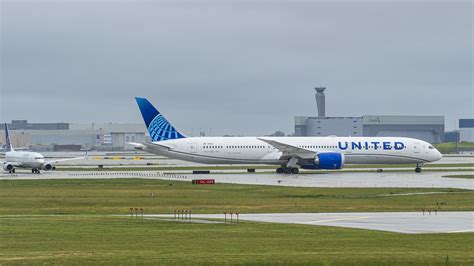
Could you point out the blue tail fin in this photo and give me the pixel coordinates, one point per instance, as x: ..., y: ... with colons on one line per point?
x: 8, y: 144
x: 158, y: 127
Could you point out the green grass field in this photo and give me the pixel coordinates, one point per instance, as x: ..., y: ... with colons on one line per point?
x: 106, y: 240
x: 111, y: 196
x: 70, y: 222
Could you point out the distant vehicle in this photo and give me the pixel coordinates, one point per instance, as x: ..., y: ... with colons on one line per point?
x: 291, y: 153
x: 26, y: 159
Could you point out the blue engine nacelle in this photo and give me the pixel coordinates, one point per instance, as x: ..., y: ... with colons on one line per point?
x: 328, y: 161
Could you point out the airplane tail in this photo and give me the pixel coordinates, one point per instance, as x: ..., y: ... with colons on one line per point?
x: 158, y: 127
x: 8, y: 143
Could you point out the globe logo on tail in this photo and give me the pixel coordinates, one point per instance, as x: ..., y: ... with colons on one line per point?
x: 161, y: 129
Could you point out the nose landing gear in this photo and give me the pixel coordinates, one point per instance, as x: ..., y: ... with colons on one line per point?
x: 418, y: 168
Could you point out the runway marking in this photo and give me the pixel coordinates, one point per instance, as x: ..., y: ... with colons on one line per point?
x: 339, y: 219
x: 462, y: 231
x: 421, y: 193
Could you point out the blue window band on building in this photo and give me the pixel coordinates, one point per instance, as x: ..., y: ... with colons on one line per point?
x: 466, y: 123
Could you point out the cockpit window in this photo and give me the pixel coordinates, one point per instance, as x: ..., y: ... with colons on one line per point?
x: 431, y: 147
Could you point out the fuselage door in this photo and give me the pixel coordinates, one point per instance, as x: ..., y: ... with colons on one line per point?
x: 193, y: 147
x: 416, y: 147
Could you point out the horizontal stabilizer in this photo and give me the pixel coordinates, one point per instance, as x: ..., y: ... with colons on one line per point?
x: 148, y: 145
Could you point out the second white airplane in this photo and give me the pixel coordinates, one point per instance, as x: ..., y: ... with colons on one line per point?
x: 290, y: 153
x: 27, y: 159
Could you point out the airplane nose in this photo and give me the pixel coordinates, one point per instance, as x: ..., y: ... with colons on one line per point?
x: 437, y: 156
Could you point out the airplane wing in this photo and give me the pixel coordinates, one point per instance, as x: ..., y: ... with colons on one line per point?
x: 21, y: 149
x: 67, y: 159
x: 15, y: 164
x: 290, y: 150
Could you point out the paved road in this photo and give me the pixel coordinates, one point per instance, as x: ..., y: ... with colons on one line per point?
x: 401, y: 222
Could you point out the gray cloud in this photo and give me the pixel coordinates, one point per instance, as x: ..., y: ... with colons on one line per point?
x: 242, y: 68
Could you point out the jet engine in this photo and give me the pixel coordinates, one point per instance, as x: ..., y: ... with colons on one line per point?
x: 328, y: 161
x: 47, y: 167
x: 8, y: 167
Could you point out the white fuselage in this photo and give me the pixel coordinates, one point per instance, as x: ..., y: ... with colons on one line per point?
x: 251, y: 150
x: 25, y: 159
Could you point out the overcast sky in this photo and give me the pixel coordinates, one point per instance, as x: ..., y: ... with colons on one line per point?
x: 242, y: 68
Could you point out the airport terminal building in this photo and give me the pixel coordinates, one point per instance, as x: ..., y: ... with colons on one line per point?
x: 427, y: 128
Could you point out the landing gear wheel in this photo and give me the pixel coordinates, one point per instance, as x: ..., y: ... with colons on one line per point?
x: 13, y: 171
x: 418, y: 168
x: 295, y: 170
x: 280, y: 170
x: 32, y: 171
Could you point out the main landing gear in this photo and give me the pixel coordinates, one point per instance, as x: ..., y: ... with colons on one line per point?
x: 287, y: 170
x: 35, y: 171
x: 418, y: 168
x: 11, y: 171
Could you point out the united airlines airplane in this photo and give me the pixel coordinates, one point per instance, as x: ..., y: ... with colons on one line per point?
x: 290, y: 153
x: 26, y: 159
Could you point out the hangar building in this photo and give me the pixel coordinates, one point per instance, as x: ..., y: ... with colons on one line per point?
x: 71, y: 136
x: 428, y: 128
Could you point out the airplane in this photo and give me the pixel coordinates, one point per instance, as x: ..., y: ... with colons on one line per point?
x: 26, y: 159
x: 290, y: 153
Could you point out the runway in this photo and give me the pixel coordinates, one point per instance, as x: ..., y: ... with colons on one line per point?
x: 400, y: 222
x: 355, y: 179
x: 332, y: 179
